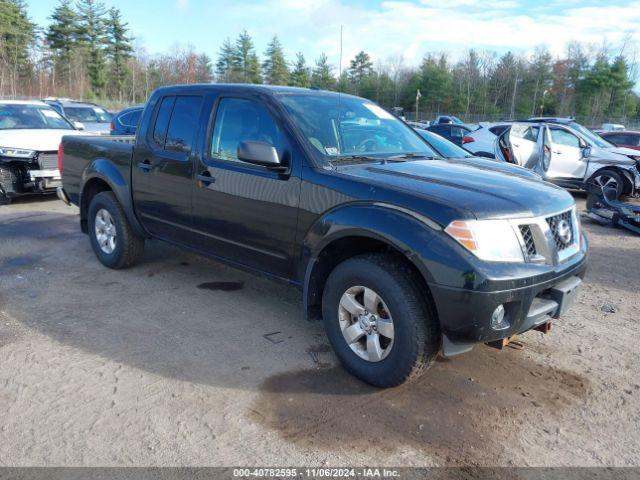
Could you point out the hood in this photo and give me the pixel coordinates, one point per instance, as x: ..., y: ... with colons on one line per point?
x: 501, y: 166
x: 615, y: 155
x: 470, y: 190
x: 40, y: 140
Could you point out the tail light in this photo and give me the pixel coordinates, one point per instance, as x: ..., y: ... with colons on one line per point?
x: 112, y: 126
x: 467, y: 140
x: 60, y: 154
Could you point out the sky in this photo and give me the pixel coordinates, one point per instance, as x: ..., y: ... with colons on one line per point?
x: 384, y: 29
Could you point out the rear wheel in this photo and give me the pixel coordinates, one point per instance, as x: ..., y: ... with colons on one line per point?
x: 112, y: 238
x: 378, y: 321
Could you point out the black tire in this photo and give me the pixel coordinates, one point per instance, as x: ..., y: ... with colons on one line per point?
x: 417, y: 337
x: 601, y: 176
x: 128, y: 246
x: 4, y: 199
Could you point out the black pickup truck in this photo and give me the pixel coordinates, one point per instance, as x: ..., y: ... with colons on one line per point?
x: 402, y: 253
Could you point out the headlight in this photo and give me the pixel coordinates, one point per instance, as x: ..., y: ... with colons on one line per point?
x: 16, y: 152
x: 491, y: 240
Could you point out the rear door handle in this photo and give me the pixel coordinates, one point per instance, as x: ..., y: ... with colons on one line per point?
x: 205, y: 179
x: 146, y: 165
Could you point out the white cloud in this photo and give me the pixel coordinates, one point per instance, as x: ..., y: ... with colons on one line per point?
x: 401, y: 26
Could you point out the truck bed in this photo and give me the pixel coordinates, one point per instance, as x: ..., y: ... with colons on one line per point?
x: 86, y: 154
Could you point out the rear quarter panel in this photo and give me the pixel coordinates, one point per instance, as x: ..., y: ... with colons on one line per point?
x: 86, y: 157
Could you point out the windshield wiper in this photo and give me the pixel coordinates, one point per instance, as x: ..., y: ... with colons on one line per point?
x: 405, y: 156
x: 356, y: 158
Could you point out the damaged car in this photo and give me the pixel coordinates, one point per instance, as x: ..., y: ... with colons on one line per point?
x: 30, y: 132
x: 569, y: 155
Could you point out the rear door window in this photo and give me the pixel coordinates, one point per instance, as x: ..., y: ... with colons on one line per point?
x: 526, y: 132
x: 162, y: 120
x: 183, y: 124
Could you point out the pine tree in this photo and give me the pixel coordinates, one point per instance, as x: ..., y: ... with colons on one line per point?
x: 62, y: 37
x: 245, y: 59
x: 360, y: 67
x: 17, y: 36
x: 322, y: 76
x: 275, y: 70
x: 204, y: 69
x: 118, y: 49
x: 300, y: 76
x: 92, y: 35
x: 226, y: 63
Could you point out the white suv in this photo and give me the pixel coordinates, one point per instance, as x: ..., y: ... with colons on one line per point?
x: 569, y: 155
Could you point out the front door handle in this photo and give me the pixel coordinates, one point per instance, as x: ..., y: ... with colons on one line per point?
x: 146, y: 165
x: 557, y: 153
x: 205, y: 179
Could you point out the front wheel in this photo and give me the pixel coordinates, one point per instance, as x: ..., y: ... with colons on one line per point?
x: 112, y: 239
x: 611, y: 183
x: 378, y: 321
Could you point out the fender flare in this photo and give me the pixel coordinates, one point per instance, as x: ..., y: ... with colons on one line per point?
x: 626, y: 173
x: 105, y: 170
x: 404, y: 230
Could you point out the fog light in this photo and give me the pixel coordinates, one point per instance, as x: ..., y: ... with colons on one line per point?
x: 497, y: 319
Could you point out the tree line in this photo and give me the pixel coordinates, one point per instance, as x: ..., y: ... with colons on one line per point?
x: 87, y: 51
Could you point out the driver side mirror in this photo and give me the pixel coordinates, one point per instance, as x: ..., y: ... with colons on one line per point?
x: 586, y: 151
x: 259, y: 153
x: 78, y: 125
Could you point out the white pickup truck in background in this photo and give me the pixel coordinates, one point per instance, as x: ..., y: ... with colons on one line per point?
x: 30, y: 134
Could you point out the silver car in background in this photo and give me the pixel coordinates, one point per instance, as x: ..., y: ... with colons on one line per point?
x: 565, y: 153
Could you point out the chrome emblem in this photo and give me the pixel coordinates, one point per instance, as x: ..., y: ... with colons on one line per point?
x: 564, y: 232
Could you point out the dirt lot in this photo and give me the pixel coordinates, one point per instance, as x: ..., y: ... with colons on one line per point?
x: 183, y: 361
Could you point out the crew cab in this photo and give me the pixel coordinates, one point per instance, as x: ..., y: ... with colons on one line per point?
x: 402, y: 253
x: 569, y: 155
x: 30, y: 132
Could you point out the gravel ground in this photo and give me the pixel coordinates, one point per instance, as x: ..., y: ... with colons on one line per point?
x: 184, y: 361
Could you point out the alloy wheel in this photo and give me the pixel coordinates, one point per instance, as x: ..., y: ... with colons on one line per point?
x: 366, y: 323
x: 105, y: 230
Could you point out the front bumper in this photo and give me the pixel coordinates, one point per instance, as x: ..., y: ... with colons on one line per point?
x: 465, y: 314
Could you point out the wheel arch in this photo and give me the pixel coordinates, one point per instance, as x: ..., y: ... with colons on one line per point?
x: 357, y: 230
x: 628, y: 187
x: 102, y: 175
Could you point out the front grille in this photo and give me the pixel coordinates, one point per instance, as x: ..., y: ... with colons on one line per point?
x: 48, y: 161
x: 561, y: 227
x: 527, y: 237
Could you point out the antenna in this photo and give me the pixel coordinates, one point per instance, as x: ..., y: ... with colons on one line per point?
x: 340, y: 63
x: 339, y: 97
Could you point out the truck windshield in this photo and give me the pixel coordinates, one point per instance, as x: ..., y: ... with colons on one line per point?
x: 351, y: 126
x: 26, y: 116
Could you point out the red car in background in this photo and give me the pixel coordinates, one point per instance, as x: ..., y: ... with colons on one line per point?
x: 627, y: 138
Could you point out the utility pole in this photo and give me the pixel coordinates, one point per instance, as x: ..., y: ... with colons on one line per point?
x: 418, y: 96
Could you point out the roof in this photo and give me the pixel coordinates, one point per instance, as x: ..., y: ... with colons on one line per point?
x: 606, y: 133
x: 249, y: 87
x: 23, y: 102
x: 560, y: 120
